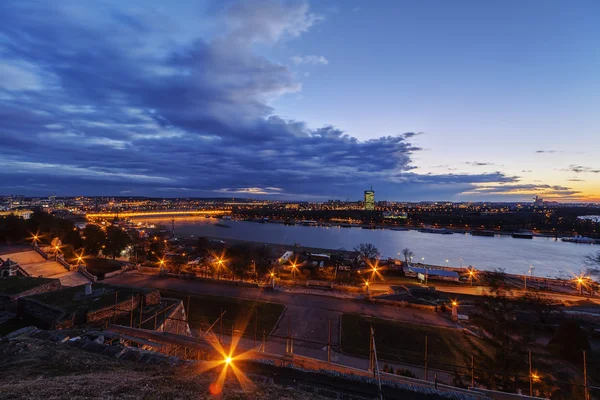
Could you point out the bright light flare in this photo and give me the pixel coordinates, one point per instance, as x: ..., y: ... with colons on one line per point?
x: 375, y: 271
x: 226, y: 362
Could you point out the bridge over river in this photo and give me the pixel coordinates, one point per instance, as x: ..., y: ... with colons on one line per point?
x: 155, y: 213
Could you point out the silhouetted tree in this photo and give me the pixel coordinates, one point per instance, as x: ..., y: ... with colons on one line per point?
x: 543, y: 306
x: 592, y: 261
x: 569, y: 341
x: 203, y: 247
x: 176, y: 262
x: 116, y: 241
x: 93, y: 239
x: 367, y: 251
x: 495, y: 315
x: 407, y: 253
x: 13, y: 229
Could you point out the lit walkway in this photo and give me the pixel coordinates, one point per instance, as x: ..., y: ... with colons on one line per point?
x: 35, y: 265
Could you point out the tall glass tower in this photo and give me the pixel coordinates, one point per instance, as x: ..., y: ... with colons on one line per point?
x: 369, y: 200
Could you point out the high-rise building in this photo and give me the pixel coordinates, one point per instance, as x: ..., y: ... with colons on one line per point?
x: 538, y: 201
x: 369, y: 200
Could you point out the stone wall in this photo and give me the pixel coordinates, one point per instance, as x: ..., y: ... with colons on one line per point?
x: 122, y: 308
x: 152, y: 298
x: 46, y: 287
x: 176, y: 321
x: 49, y: 317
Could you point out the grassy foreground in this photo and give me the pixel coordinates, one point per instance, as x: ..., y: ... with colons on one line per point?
x: 205, y: 309
x: 404, y: 342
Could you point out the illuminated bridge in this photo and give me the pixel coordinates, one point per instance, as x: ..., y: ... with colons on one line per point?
x: 155, y: 213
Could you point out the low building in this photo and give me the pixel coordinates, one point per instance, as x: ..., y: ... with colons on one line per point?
x: 439, y: 274
x: 8, y: 268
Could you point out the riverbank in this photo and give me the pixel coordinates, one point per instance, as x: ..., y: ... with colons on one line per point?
x: 550, y: 257
x: 469, y: 276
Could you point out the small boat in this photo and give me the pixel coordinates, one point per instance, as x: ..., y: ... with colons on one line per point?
x: 309, y: 223
x: 442, y: 231
x: 580, y: 239
x: 483, y: 233
x: 522, y: 235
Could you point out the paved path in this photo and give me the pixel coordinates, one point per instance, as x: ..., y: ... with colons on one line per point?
x: 35, y: 265
x: 309, y: 316
x: 289, y: 299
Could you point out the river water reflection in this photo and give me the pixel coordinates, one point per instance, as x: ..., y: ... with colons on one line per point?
x: 549, y: 257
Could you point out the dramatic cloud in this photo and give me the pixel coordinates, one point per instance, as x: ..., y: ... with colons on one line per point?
x: 310, y: 60
x: 107, y: 99
x: 578, y: 169
x: 548, y: 191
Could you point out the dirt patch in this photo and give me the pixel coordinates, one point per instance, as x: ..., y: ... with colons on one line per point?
x: 33, y: 369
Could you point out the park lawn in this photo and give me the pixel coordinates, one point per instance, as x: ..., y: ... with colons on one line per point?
x: 240, y: 313
x: 101, y: 266
x: 405, y: 342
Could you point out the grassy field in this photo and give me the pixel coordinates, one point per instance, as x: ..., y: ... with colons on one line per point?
x: 240, y: 313
x: 101, y: 266
x: 405, y: 342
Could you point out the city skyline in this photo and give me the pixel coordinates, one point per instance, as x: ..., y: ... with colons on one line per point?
x: 296, y: 100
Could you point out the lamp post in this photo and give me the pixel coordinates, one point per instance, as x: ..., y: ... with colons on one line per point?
x: 293, y: 270
x: 454, y: 311
x: 471, y: 275
x: 273, y: 279
x: 219, y: 266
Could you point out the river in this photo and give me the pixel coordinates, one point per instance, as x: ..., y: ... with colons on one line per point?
x: 549, y: 257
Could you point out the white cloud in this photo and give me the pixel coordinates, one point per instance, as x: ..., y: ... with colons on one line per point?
x: 309, y: 60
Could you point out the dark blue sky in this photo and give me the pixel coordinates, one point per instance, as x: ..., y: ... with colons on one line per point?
x: 290, y: 99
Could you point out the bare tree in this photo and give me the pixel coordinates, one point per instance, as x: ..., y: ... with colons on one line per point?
x: 592, y: 262
x: 367, y: 251
x: 407, y: 253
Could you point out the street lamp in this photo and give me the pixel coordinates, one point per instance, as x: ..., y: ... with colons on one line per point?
x: 471, y: 275
x: 294, y: 268
x: 219, y: 266
x: 79, y: 259
x: 454, y: 310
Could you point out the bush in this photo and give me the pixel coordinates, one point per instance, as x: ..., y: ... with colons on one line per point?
x: 405, y: 372
x: 569, y: 341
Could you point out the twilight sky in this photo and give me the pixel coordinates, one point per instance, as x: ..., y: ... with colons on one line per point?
x: 308, y: 100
